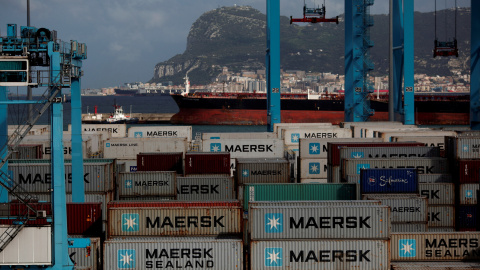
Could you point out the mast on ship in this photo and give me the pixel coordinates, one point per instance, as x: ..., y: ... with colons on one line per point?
x: 187, y: 85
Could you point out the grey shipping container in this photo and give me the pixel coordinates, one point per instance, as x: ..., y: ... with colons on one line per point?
x: 173, y: 253
x: 320, y: 254
x: 319, y: 222
x: 454, y: 246
x: 333, y: 174
x: 317, y: 148
x: 463, y: 147
x: 205, y: 188
x: 87, y: 259
x: 423, y: 165
x: 468, y: 193
x: 441, y: 229
x: 409, y: 227
x: 441, y: 216
x: 254, y: 170
x: 312, y: 203
x: 159, y: 221
x: 404, y: 208
x: 434, y: 178
x: 137, y: 184
x: 438, y: 193
x: 37, y: 177
x: 435, y: 266
x: 389, y: 152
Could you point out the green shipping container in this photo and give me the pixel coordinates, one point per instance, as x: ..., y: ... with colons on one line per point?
x: 298, y: 192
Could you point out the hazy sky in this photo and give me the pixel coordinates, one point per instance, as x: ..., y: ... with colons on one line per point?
x: 126, y: 38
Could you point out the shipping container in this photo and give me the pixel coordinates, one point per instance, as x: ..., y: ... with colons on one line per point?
x: 427, y: 140
x: 87, y: 258
x: 319, y: 222
x: 279, y: 127
x: 173, y: 220
x: 404, y: 208
x: 435, y: 266
x: 422, y: 165
x: 200, y: 163
x: 66, y: 144
x: 172, y: 204
x: 388, y: 181
x: 160, y: 162
x: 126, y: 165
x: 320, y: 254
x: 434, y: 178
x: 441, y: 229
x: 138, y: 184
x: 129, y: 148
x: 317, y: 148
x: 441, y: 216
x: 468, y: 194
x: 115, y: 130
x: 359, y: 128
x: 268, y: 170
x: 298, y: 192
x: 31, y: 246
x: 153, y: 131
x: 436, y: 246
x: 409, y: 227
x: 84, y: 219
x: 466, y: 217
x: 389, y: 152
x: 463, y: 147
x: 333, y: 174
x: 208, y: 188
x: 387, y: 135
x: 313, y: 168
x: 313, y: 203
x: 313, y: 180
x: 438, y: 193
x: 246, y: 148
x: 468, y: 171
x: 37, y: 177
x: 291, y: 136
x: 173, y: 253
x: 334, y: 148
x: 238, y: 135
x: 28, y: 151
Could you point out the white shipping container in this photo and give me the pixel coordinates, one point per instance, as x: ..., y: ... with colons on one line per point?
x: 438, y: 193
x: 67, y: 146
x: 129, y: 148
x: 278, y: 127
x: 317, y: 148
x: 404, y: 208
x: 312, y: 203
x: 435, y: 266
x: 115, y: 130
x: 359, y: 128
x: 138, y: 184
x: 238, y: 135
x: 376, y: 132
x: 314, y: 180
x: 409, y: 227
x: 173, y: 253
x: 152, y: 131
x: 427, y: 140
x: 245, y: 148
x: 292, y: 136
x: 320, y: 254
x: 31, y: 246
x: 313, y: 168
x: 441, y: 216
x: 468, y: 193
x: 387, y: 135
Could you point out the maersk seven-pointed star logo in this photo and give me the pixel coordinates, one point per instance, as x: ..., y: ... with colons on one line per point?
x: 357, y: 155
x: 130, y: 222
x: 126, y: 258
x: 465, y: 148
x: 273, y: 257
x: 407, y: 248
x: 138, y: 134
x: 128, y: 183
x: 362, y: 166
x: 314, y: 148
x: 314, y: 168
x: 295, y: 137
x: 245, y: 173
x: 215, y: 147
x: 468, y: 193
x: 107, y: 144
x: 273, y: 222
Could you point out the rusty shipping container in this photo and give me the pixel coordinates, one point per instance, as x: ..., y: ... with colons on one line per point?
x: 435, y: 266
x: 173, y: 253
x: 438, y: 193
x: 199, y: 163
x: 211, y: 188
x: 137, y: 184
x: 404, y: 208
x: 436, y: 246
x: 320, y: 254
x: 468, y: 171
x: 441, y: 216
x: 254, y: 170
x: 160, y: 162
x: 174, y: 219
x: 319, y: 222
x: 28, y: 151
x: 409, y: 227
x: 317, y: 148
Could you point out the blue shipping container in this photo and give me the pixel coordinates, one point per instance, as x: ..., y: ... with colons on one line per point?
x: 466, y: 217
x: 388, y: 181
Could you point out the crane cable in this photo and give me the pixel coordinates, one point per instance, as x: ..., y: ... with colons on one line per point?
x: 455, y: 20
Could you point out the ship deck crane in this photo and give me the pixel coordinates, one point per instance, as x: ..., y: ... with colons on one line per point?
x: 313, y: 15
x: 445, y: 48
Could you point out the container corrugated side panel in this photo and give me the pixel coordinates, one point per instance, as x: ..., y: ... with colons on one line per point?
x: 291, y: 136
x: 435, y: 178
x: 388, y: 181
x: 441, y: 229
x: 319, y: 254
x: 441, y: 216
x: 246, y: 148
x: 85, y: 261
x: 317, y: 148
x: 296, y: 192
x: 205, y: 189
x: 405, y: 208
x: 467, y: 148
x: 319, y: 222
x: 435, y: 246
x: 207, y: 163
x: 466, y: 217
x: 313, y: 203
x: 173, y: 221
x: 151, y: 131
x: 438, y: 193
x: 147, y: 184
x: 163, y: 252
x: 468, y: 171
x: 129, y: 148
x: 409, y: 227
x: 468, y: 193
x: 313, y: 168
x: 434, y: 266
x: 262, y: 171
x: 31, y: 246
x: 389, y: 152
x: 84, y: 218
x: 175, y: 204
x: 160, y: 162
x: 422, y: 165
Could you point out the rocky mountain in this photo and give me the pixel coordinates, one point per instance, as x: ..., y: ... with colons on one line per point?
x: 236, y: 37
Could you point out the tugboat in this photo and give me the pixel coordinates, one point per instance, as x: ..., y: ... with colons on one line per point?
x: 118, y: 117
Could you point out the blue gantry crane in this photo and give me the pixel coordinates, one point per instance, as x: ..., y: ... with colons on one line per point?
x: 58, y: 66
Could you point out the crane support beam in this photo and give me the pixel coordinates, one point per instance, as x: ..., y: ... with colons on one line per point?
x: 273, y: 63
x: 77, y: 152
x: 474, y: 66
x: 3, y: 140
x: 408, y: 57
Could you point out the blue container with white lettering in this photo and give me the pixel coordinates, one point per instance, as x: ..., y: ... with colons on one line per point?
x: 388, y: 181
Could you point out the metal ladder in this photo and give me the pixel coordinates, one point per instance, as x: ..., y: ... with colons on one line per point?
x: 197, y: 142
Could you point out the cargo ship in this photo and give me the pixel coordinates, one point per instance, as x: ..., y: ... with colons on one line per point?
x: 209, y: 108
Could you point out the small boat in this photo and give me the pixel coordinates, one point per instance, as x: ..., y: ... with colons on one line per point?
x: 118, y: 117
